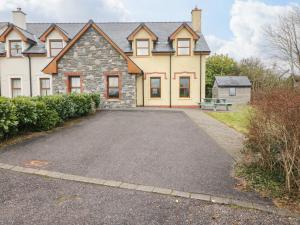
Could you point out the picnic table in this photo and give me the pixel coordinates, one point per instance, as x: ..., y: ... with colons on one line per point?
x: 214, y: 103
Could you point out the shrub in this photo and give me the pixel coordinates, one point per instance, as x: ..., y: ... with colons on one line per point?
x: 96, y: 99
x: 83, y: 103
x: 25, y: 112
x: 62, y: 104
x: 8, y: 119
x: 274, y: 134
x: 46, y: 118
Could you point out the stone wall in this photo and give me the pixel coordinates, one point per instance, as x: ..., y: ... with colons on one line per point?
x: 93, y: 58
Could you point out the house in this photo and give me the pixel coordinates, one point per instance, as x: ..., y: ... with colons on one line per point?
x: 236, y: 89
x: 129, y: 63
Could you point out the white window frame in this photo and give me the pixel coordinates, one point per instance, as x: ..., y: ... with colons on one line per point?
x: 10, y: 85
x: 39, y: 84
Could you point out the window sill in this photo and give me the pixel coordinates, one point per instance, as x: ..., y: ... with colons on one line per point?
x: 113, y: 99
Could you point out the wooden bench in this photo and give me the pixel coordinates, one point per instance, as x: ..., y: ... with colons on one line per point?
x: 214, y: 103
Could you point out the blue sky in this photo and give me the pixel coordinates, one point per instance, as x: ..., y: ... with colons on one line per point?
x: 230, y: 26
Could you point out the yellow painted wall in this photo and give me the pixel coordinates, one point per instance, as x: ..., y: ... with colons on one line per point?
x: 159, y: 66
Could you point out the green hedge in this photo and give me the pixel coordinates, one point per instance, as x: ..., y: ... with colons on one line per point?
x: 23, y: 114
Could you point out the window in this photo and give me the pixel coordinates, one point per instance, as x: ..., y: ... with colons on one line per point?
x: 183, y: 47
x: 44, y: 86
x: 113, y: 87
x: 232, y: 92
x: 55, y: 47
x: 184, y: 87
x: 15, y: 87
x: 15, y: 48
x: 142, y: 47
x: 74, y: 84
x: 155, y: 87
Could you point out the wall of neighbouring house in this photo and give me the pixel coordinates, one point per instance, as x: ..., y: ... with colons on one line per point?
x: 93, y: 57
x: 159, y: 66
x: 243, y: 94
x: 19, y: 68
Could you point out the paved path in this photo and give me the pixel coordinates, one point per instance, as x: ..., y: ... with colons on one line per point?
x: 27, y: 199
x: 157, y: 148
x: 229, y: 139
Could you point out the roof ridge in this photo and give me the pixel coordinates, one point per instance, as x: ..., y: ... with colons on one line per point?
x: 109, y: 22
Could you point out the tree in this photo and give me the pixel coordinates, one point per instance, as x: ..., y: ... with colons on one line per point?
x: 218, y: 65
x: 284, y: 39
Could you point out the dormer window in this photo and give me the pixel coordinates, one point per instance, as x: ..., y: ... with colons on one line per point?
x: 183, y: 46
x: 15, y: 48
x: 55, y: 47
x: 142, y: 47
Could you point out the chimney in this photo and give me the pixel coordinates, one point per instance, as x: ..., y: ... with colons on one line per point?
x: 19, y: 18
x: 196, y: 19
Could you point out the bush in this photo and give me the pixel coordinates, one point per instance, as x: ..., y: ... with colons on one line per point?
x: 274, y: 134
x: 83, y: 103
x: 25, y: 112
x: 62, y: 104
x: 96, y: 99
x: 46, y: 118
x: 43, y: 113
x: 8, y: 119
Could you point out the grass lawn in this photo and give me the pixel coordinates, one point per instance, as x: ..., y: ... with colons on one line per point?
x: 238, y: 118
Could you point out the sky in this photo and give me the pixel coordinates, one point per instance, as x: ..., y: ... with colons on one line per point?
x: 232, y: 27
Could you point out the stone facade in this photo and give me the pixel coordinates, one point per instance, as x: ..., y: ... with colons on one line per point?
x: 93, y: 58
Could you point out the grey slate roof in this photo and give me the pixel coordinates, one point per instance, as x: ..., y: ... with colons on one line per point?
x: 233, y: 81
x: 118, y: 32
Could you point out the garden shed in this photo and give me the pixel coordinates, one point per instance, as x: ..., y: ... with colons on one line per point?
x: 236, y: 89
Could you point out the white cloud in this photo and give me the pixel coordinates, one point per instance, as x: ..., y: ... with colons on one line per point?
x: 248, y: 19
x: 67, y: 10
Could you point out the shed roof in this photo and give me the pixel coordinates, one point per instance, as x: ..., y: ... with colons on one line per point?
x: 233, y: 81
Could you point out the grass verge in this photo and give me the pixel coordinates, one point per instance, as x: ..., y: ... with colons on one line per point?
x: 237, y: 119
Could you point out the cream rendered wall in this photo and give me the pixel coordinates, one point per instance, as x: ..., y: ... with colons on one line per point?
x: 19, y: 68
x: 159, y: 66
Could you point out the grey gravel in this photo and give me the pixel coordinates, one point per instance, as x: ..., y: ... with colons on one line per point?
x: 29, y: 199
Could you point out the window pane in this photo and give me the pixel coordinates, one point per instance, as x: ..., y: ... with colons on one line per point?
x: 142, y: 44
x: 184, y: 92
x: 113, y: 92
x: 16, y: 93
x: 15, y: 48
x: 142, y: 51
x: 75, y: 82
x: 183, y: 51
x: 184, y: 82
x: 155, y: 82
x: 184, y: 43
x: 232, y: 92
x: 113, y: 81
x: 45, y: 83
x: 75, y: 90
x: 16, y: 83
x: 56, y: 44
x: 54, y: 52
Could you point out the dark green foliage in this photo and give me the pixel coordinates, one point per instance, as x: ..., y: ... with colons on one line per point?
x: 46, y: 118
x: 96, y: 99
x: 8, y: 119
x: 24, y: 114
x: 218, y: 65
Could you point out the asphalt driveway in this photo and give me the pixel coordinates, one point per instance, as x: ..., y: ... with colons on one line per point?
x: 159, y: 148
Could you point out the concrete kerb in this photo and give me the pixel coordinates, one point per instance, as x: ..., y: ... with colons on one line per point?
x: 150, y: 189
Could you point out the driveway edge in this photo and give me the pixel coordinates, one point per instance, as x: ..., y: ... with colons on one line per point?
x: 150, y: 189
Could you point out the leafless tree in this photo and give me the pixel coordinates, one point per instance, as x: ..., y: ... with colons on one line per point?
x: 284, y: 39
